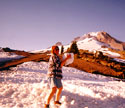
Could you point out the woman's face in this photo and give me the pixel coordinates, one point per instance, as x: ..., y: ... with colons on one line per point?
x: 56, y: 51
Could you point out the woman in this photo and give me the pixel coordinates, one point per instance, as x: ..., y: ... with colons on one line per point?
x: 55, y: 75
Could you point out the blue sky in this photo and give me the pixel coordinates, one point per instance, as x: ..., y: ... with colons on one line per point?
x: 38, y: 24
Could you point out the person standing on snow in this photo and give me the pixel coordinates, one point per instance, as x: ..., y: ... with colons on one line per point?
x: 55, y: 75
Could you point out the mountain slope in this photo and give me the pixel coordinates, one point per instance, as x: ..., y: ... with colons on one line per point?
x: 95, y: 41
x: 106, y: 38
x: 101, y: 39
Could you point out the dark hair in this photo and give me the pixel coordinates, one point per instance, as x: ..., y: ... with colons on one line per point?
x: 54, y: 48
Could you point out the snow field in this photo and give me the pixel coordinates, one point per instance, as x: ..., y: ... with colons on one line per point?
x: 5, y: 56
x: 25, y: 86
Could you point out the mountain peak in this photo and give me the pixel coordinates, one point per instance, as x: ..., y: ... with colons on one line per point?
x: 88, y: 35
x: 102, y: 37
x: 93, y: 33
x: 106, y: 38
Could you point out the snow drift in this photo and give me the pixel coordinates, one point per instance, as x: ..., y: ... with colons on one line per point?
x: 25, y: 86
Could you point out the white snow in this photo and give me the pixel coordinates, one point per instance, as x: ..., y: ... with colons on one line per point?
x: 5, y: 56
x: 40, y: 51
x: 89, y: 44
x: 94, y: 45
x: 93, y: 33
x: 105, y: 51
x: 120, y: 60
x: 25, y: 86
x: 110, y: 53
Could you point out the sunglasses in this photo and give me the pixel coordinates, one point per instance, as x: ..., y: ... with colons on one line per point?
x: 56, y: 49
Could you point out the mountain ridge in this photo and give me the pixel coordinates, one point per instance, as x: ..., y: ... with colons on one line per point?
x: 103, y: 37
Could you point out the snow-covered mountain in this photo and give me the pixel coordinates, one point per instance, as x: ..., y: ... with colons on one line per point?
x: 94, y: 41
x: 99, y: 39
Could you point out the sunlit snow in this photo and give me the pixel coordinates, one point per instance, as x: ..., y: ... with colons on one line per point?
x: 5, y: 56
x: 25, y: 86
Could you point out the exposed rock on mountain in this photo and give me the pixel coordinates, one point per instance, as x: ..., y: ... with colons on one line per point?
x: 106, y: 38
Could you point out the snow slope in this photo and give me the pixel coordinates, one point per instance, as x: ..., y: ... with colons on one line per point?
x: 5, y: 56
x: 89, y: 44
x: 92, y: 44
x: 25, y: 86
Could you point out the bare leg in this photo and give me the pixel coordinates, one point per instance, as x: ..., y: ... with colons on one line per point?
x: 53, y: 91
x: 58, y: 93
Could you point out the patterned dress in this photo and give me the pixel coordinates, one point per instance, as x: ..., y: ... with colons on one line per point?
x: 55, y: 69
x: 55, y: 72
